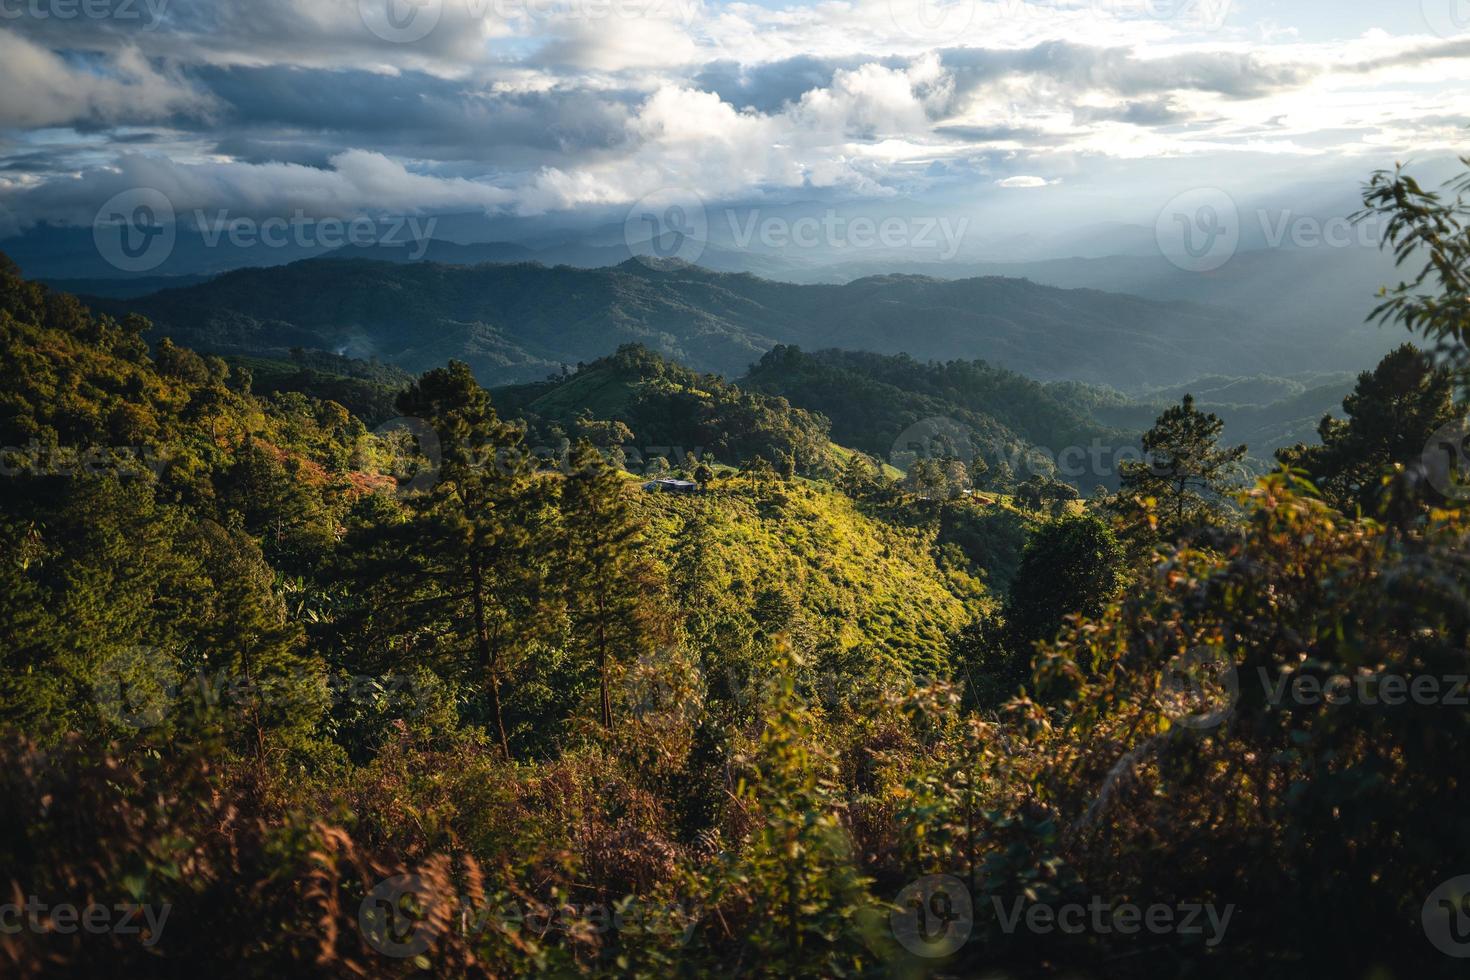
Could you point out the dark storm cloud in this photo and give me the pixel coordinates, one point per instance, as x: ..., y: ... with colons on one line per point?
x: 39, y: 162
x: 135, y: 139
x: 249, y: 150
x: 305, y: 115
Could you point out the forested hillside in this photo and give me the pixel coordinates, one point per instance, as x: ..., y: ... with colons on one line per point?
x: 666, y: 409
x: 472, y: 693
x: 872, y: 399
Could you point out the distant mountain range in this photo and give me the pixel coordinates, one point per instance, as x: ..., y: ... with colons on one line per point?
x: 520, y: 322
x: 1302, y: 308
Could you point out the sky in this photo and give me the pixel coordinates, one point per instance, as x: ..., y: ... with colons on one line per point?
x: 1066, y: 113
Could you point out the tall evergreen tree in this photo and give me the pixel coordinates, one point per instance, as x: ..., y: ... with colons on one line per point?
x: 1184, y: 467
x: 467, y: 577
x: 605, y: 584
x: 1391, y: 414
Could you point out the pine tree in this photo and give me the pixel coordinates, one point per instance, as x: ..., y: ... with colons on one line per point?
x: 468, y: 576
x: 604, y: 580
x: 1184, y: 467
x: 1391, y: 415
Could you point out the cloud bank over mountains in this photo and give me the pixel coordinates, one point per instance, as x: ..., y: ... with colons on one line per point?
x: 549, y: 107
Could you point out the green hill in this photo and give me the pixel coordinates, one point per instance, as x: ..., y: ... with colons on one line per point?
x: 365, y: 388
x: 872, y: 400
x: 857, y: 593
x: 669, y: 410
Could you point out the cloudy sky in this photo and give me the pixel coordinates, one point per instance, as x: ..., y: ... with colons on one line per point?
x: 1098, y: 109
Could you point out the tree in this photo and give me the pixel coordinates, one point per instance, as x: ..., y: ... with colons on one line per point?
x: 926, y: 478
x: 758, y: 471
x: 1031, y: 493
x: 1423, y: 224
x: 979, y: 472
x: 1003, y: 478
x: 466, y: 578
x: 1391, y: 414
x: 610, y: 436
x: 1184, y: 467
x: 956, y: 476
x: 605, y: 580
x: 859, y: 476
x: 1070, y: 565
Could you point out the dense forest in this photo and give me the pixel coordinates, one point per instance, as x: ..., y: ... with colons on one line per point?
x: 315, y: 667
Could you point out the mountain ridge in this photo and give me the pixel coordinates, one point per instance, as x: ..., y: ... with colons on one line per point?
x: 518, y: 322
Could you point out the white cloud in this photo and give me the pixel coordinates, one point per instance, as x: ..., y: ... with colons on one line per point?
x: 38, y: 88
x: 359, y: 182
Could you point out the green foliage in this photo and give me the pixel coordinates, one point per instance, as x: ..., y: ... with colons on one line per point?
x: 1071, y: 566
x: 1424, y: 226
x: 731, y: 720
x: 367, y: 389
x: 666, y: 410
x: 143, y: 503
x: 1184, y: 469
x: 1391, y: 415
x: 797, y: 875
x: 872, y: 399
x: 606, y: 581
x: 861, y: 590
